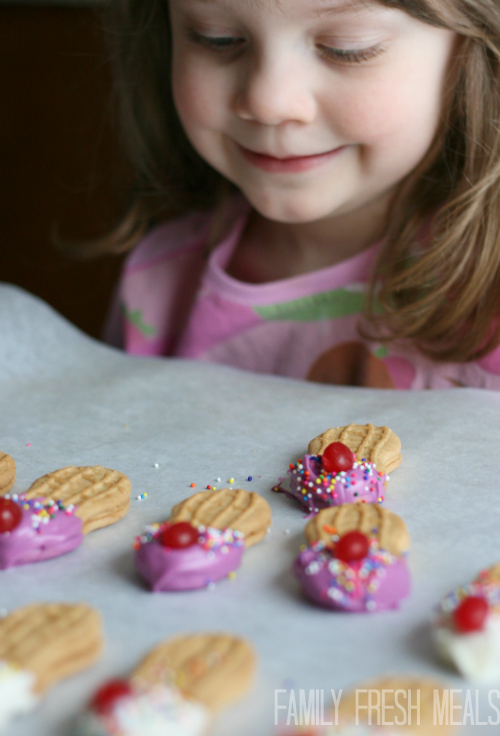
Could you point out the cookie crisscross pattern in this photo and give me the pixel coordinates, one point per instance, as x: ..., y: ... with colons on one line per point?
x: 102, y: 496
x: 7, y: 472
x: 493, y: 573
x: 379, y: 445
x: 213, y: 668
x: 360, y: 704
x: 234, y: 508
x: 52, y: 640
x: 370, y: 519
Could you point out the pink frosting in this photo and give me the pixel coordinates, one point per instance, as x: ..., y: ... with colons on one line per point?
x: 315, y: 489
x: 217, y: 553
x: 377, y: 582
x: 46, y: 530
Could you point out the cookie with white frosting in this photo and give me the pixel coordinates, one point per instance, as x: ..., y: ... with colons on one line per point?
x: 176, y: 690
x: 466, y: 628
x: 41, y: 644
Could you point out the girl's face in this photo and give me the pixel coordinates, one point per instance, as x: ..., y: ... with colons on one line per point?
x: 313, y: 108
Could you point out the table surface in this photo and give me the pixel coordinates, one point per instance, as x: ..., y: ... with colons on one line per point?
x: 166, y: 423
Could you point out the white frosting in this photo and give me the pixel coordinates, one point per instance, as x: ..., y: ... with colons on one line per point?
x: 16, y: 691
x: 476, y: 655
x: 161, y: 711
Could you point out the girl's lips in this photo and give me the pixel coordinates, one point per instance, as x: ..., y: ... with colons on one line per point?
x: 287, y: 165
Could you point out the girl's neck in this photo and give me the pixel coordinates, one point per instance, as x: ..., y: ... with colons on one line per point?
x: 270, y: 251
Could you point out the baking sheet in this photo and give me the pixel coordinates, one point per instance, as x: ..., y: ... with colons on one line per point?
x: 67, y: 399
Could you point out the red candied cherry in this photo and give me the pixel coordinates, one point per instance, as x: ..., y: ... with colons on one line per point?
x: 337, y: 457
x: 470, y: 614
x: 10, y: 514
x: 352, y: 546
x: 179, y: 535
x: 108, y: 694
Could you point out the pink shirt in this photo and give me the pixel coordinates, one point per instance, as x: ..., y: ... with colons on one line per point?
x: 174, y: 301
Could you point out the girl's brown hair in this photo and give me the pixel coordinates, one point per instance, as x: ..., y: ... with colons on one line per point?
x: 442, y: 296
x: 170, y: 178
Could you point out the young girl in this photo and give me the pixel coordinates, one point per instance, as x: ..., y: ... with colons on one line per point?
x: 317, y: 187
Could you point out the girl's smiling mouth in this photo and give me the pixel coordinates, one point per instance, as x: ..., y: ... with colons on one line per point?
x: 291, y: 164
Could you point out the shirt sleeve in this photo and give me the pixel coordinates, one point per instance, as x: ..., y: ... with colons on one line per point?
x: 491, y: 362
x: 157, y: 286
x: 112, y: 332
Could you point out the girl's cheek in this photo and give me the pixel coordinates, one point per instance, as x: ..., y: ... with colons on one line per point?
x: 393, y: 107
x: 193, y: 93
x: 367, y: 117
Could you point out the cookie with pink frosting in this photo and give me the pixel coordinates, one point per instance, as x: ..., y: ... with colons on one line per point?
x: 181, y: 556
x: 58, y: 510
x: 36, y: 529
x: 333, y: 478
x: 204, y: 539
x: 355, y: 559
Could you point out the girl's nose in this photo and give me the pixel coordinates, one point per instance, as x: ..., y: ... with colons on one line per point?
x: 273, y: 91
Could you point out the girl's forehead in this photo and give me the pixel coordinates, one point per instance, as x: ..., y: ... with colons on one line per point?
x: 312, y: 7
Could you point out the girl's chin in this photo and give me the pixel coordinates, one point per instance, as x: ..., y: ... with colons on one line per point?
x: 292, y: 210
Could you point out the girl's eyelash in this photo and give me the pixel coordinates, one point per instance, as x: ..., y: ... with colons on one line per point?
x: 350, y: 56
x: 215, y: 43
x: 230, y: 43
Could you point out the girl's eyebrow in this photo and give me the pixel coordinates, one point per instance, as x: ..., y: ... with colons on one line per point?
x: 337, y: 7
x: 342, y: 5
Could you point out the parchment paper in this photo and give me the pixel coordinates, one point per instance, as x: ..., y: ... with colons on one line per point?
x: 67, y: 399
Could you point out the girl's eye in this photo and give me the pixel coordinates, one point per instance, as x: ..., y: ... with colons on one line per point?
x: 349, y: 56
x: 215, y: 43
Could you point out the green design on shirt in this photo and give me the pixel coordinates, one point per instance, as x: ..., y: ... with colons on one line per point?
x: 135, y: 317
x: 381, y: 352
x: 326, y: 305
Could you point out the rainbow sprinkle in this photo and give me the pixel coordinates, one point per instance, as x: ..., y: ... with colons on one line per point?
x: 210, y: 538
x: 484, y: 586
x: 351, y: 580
x: 317, y: 488
x: 42, y: 510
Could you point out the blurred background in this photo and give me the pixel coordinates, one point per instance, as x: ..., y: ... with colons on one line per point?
x: 61, y: 167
